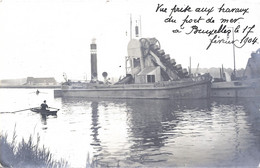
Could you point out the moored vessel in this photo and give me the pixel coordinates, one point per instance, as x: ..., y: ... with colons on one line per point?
x: 150, y: 73
x: 246, y: 86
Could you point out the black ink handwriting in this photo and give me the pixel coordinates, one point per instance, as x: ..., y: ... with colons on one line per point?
x: 231, y: 10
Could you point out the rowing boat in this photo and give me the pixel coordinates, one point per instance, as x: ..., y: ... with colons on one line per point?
x: 45, y: 112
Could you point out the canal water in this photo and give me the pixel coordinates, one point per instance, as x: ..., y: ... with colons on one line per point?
x: 136, y: 132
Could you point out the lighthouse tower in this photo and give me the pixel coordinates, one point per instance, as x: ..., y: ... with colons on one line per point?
x: 93, y: 53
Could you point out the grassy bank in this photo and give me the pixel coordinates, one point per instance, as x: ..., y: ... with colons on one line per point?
x: 26, y: 154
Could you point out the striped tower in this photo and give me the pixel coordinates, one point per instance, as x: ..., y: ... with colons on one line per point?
x: 93, y: 52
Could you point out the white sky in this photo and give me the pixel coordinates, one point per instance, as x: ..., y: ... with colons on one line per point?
x: 44, y: 38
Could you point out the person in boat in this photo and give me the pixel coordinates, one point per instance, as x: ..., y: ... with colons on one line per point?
x: 44, y: 106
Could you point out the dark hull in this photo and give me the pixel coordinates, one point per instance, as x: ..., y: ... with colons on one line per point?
x: 175, y: 90
x: 44, y: 112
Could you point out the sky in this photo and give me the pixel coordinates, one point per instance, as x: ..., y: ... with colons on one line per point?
x: 46, y: 38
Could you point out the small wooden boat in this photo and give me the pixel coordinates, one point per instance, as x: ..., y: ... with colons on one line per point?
x: 45, y: 112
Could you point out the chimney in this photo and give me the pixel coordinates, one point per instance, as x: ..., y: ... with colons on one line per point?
x: 93, y: 52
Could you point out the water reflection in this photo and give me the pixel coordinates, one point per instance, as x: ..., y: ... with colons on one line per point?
x: 142, y: 133
x: 153, y: 126
x: 44, y: 118
x: 171, y: 133
x: 95, y: 127
x: 246, y: 123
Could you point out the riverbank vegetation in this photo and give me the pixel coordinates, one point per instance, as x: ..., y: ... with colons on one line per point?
x: 26, y: 154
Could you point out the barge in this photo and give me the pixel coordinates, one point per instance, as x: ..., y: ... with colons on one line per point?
x: 247, y: 86
x: 150, y: 74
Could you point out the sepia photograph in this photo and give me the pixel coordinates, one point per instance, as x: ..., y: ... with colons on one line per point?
x: 129, y: 83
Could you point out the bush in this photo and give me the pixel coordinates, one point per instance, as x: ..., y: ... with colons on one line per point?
x: 26, y: 154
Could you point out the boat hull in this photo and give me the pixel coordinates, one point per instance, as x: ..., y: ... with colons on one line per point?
x: 179, y: 90
x: 236, y: 89
x: 44, y: 112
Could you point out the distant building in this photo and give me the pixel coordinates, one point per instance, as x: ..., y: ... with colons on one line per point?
x: 40, y: 81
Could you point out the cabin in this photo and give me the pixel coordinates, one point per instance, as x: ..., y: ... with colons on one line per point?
x: 149, y: 75
x: 147, y: 63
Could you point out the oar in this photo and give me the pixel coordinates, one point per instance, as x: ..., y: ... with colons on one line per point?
x: 18, y: 110
x: 35, y: 92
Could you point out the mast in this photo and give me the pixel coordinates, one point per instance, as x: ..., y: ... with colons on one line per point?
x: 140, y: 27
x: 130, y: 26
x: 234, y: 55
x: 190, y: 67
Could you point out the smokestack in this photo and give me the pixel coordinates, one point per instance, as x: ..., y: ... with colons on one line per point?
x: 136, y: 30
x: 93, y: 52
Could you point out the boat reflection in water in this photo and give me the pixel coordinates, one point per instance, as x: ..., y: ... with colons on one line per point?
x: 44, y: 118
x: 166, y: 133
x: 95, y: 126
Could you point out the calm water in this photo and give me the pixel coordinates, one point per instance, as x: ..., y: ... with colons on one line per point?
x: 139, y: 133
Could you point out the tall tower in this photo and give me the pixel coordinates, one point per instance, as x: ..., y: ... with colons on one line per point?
x: 93, y: 52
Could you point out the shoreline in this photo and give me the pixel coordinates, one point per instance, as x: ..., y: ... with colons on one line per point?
x: 31, y: 86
